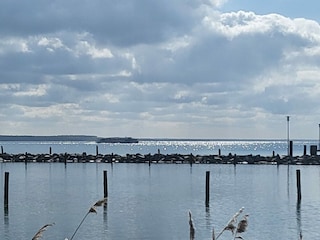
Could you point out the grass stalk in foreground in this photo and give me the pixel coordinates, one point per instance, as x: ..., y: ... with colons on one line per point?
x: 192, y: 230
x: 91, y: 210
x: 232, y: 226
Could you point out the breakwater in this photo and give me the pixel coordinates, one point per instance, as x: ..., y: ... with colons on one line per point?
x: 160, y: 158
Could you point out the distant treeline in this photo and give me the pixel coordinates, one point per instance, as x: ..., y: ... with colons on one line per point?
x: 48, y: 138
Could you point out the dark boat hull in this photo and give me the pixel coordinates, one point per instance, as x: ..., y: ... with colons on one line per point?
x: 118, y: 140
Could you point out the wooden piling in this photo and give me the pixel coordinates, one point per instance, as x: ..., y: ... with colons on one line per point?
x: 50, y: 151
x: 207, y: 188
x: 235, y: 161
x: 298, y: 185
x: 97, y: 150
x: 304, y: 150
x: 313, y: 150
x: 1, y: 149
x: 219, y: 152
x: 291, y: 148
x: 6, y: 189
x: 105, y: 183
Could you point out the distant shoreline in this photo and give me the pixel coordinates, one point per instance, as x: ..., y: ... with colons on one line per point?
x: 92, y: 138
x: 48, y: 138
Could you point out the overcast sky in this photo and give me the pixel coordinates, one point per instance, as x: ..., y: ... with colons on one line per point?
x: 169, y: 68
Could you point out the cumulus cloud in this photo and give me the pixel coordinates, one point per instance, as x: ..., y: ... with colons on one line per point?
x: 148, y: 69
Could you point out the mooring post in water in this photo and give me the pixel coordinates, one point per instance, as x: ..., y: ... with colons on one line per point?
x: 50, y: 151
x: 207, y: 187
x: 298, y: 186
x: 219, y: 153
x: 304, y: 150
x: 105, y: 183
x: 6, y: 189
x: 291, y: 148
x: 97, y: 150
x: 235, y: 159
x: 26, y: 158
x: 1, y: 149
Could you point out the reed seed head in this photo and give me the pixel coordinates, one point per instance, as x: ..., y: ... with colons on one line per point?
x: 92, y: 210
x: 243, y: 224
x: 230, y: 227
x: 100, y: 202
x: 38, y: 235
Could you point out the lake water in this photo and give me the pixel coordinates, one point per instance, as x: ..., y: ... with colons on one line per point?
x: 204, y: 147
x: 153, y: 202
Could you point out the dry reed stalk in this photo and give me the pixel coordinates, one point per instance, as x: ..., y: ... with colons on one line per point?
x: 192, y: 230
x: 91, y: 210
x: 213, y: 235
x: 38, y: 235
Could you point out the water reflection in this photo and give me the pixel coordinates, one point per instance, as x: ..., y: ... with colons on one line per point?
x: 6, y: 213
x: 208, y: 218
x: 288, y: 182
x: 298, y: 212
x: 6, y: 221
x: 105, y: 216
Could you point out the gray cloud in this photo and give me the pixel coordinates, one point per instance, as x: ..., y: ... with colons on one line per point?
x: 117, y: 23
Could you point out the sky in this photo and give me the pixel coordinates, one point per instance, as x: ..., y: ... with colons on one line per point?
x: 214, y: 69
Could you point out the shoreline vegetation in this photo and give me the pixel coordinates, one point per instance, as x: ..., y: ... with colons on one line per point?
x: 48, y: 138
x: 160, y: 158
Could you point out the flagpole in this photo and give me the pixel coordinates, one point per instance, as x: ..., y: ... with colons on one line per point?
x: 288, y: 137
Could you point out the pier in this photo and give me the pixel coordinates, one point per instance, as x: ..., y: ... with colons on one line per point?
x: 159, y: 158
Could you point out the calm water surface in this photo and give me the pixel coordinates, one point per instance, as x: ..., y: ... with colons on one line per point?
x: 153, y: 202
x: 239, y: 147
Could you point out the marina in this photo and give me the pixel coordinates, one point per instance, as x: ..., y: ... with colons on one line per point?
x: 152, y: 186
x: 163, y: 151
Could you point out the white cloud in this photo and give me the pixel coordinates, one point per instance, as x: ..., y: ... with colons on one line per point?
x: 83, y: 47
x: 39, y: 90
x: 12, y: 44
x: 51, y: 42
